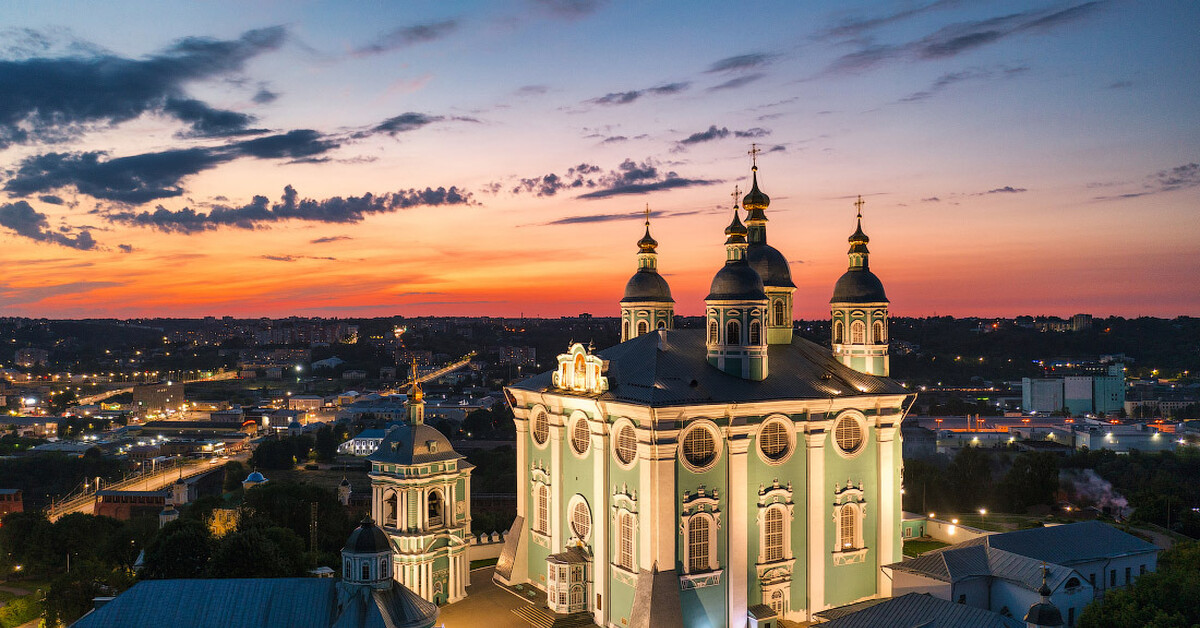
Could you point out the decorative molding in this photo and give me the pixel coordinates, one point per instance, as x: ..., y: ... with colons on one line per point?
x: 579, y: 371
x: 774, y: 494
x: 621, y: 575
x: 700, y: 580
x: 851, y: 557
x: 776, y: 572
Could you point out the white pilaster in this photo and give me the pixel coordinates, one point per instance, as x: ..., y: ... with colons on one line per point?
x: 889, y: 516
x: 600, y: 520
x: 815, y: 441
x: 738, y: 536
x: 556, y: 486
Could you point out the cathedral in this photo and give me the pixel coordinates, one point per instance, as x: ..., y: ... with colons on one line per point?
x: 731, y: 475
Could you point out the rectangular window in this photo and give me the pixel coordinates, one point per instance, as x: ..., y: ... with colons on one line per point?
x: 1071, y: 617
x: 698, y: 545
x: 625, y: 557
x: 1128, y: 578
x: 1142, y: 570
x: 1112, y: 578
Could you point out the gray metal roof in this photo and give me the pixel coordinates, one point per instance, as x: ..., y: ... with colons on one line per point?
x: 1072, y: 543
x: 656, y: 601
x: 393, y: 607
x: 229, y: 603
x: 923, y: 610
x: 410, y: 444
x: 670, y: 367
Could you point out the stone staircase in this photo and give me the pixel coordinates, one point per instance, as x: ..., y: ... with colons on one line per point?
x: 541, y: 617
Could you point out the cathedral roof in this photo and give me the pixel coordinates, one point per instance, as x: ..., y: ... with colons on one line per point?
x: 670, y: 368
x: 736, y: 281
x: 647, y: 285
x: 367, y: 538
x: 414, y: 444
x: 858, y: 285
x: 394, y: 607
x: 916, y: 609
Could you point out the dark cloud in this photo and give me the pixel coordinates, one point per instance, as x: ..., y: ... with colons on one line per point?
x: 931, y: 199
x: 10, y: 295
x: 951, y: 40
x: 614, y: 139
x: 752, y: 133
x: 629, y: 177
x: 739, y: 63
x: 736, y: 82
x: 328, y: 239
x: 54, y: 99
x: 713, y: 133
x: 946, y: 80
x: 1008, y: 189
x: 624, y: 98
x: 51, y: 199
x: 856, y: 27
x: 27, y: 222
x: 569, y: 9
x: 1177, y: 178
x: 149, y: 176
x: 409, y: 121
x: 264, y: 96
x: 577, y: 220
x: 260, y: 211
x: 406, y: 36
x: 125, y: 248
x: 295, y: 258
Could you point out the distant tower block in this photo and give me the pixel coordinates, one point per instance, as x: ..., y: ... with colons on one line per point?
x: 860, y: 311
x: 647, y: 304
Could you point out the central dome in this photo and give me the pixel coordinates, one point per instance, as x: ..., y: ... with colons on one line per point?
x: 858, y: 286
x: 647, y: 285
x: 771, y: 266
x: 736, y: 281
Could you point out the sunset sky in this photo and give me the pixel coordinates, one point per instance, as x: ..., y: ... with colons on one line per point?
x: 494, y: 158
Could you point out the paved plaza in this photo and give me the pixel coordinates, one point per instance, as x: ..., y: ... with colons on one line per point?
x: 486, y: 605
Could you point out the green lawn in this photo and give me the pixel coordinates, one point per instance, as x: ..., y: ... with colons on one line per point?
x: 916, y: 548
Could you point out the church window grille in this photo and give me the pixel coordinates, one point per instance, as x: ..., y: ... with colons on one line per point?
x: 773, y: 537
x: 576, y: 595
x: 713, y: 331
x: 581, y: 520
x: 366, y: 570
x: 642, y: 327
x: 435, y: 509
x: 847, y: 528
x: 541, y: 428
x: 580, y: 436
x: 698, y: 544
x: 625, y: 330
x: 383, y: 561
x: 848, y: 434
x: 755, y: 333
x: 733, y: 333
x: 777, y: 601
x: 858, y: 333
x: 837, y: 332
x: 773, y: 441
x: 877, y: 332
x: 699, y: 447
x: 625, y: 545
x: 626, y: 444
x: 542, y: 523
x: 346, y: 572
x: 777, y: 313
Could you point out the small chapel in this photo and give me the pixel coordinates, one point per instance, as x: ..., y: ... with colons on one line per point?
x: 733, y: 474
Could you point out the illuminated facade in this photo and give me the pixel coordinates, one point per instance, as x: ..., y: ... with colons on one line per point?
x: 860, y: 311
x: 658, y: 488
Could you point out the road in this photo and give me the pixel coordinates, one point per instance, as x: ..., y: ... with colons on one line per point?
x: 97, y: 398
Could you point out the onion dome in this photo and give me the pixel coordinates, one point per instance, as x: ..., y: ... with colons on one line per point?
x: 647, y: 244
x: 1044, y: 613
x: 367, y: 538
x: 755, y: 202
x: 255, y: 476
x: 646, y: 285
x: 771, y: 265
x: 737, y: 280
x: 736, y: 230
x: 858, y: 284
x: 345, y: 482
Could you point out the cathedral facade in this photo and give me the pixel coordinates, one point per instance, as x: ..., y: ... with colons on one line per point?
x: 723, y: 476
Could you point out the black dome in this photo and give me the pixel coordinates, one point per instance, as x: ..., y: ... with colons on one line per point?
x: 771, y: 266
x: 647, y: 285
x: 367, y: 538
x: 858, y: 286
x: 736, y: 282
x: 1044, y: 614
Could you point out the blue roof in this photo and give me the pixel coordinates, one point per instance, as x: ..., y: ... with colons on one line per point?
x: 229, y: 603
x: 1072, y: 543
x: 919, y: 609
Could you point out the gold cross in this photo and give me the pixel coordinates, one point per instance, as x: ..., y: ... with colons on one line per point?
x: 859, y: 203
x: 647, y: 214
x: 754, y: 151
x: 736, y: 193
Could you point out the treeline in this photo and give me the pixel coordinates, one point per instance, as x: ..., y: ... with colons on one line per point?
x: 1162, y: 488
x: 285, y: 452
x: 1165, y: 598
x: 975, y: 478
x: 41, y: 476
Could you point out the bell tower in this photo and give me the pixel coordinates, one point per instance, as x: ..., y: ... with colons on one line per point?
x: 647, y: 304
x: 859, y: 310
x: 736, y: 310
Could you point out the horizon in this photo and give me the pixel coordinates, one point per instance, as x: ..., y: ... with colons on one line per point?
x: 481, y: 159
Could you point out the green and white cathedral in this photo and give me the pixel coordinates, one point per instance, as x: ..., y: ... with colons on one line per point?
x: 726, y: 476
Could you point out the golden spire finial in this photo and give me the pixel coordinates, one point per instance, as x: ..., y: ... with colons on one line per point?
x: 754, y: 151
x: 859, y: 203
x: 736, y: 193
x: 647, y: 214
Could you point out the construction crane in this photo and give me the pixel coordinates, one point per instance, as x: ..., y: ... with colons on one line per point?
x: 420, y: 379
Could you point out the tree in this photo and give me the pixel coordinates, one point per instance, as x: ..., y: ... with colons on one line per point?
x: 970, y: 478
x: 289, y: 505
x: 273, y: 453
x: 256, y: 553
x: 1032, y: 480
x: 235, y: 472
x: 327, y: 444
x: 180, y: 550
x: 1163, y: 599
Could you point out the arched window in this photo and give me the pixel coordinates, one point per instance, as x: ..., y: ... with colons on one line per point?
x: 576, y: 595
x: 773, y: 535
x: 662, y: 324
x: 858, y: 333
x: 366, y: 570
x: 346, y: 573
x: 391, y: 510
x: 733, y: 333
x: 435, y: 509
x: 626, y: 445
x: 755, y: 333
x: 581, y: 436
x: 383, y: 567
x: 776, y: 603
x: 625, y: 542
x: 625, y: 330
x: 697, y: 541
x: 712, y: 331
x: 541, y: 427
x: 838, y: 332
x: 877, y: 336
x: 777, y: 317
x: 542, y: 522
x: 642, y: 327
x: 847, y: 528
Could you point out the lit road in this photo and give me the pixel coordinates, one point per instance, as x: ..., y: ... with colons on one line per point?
x: 97, y: 398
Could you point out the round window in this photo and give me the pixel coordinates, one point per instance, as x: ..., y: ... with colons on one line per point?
x: 581, y: 520
x: 699, y: 447
x: 848, y: 434
x: 773, y: 440
x: 541, y: 428
x: 580, y: 436
x: 626, y: 445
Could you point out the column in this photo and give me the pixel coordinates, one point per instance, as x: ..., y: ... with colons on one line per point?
x: 520, y: 572
x: 556, y: 484
x: 421, y: 497
x: 452, y: 582
x: 402, y: 508
x: 738, y: 536
x: 888, y: 515
x: 817, y: 526
x: 601, y: 521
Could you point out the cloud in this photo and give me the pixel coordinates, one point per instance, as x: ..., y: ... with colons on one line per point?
x: 946, y: 80
x: 295, y: 258
x: 856, y: 27
x: 629, y: 177
x: 125, y: 248
x: 150, y: 176
x: 752, y: 133
x: 586, y: 219
x: 328, y: 239
x: 1008, y: 189
x: 1177, y: 178
x: 264, y: 96
x: 406, y: 36
x: 737, y: 82
x: 739, y: 63
x: 713, y: 133
x: 532, y: 90
x: 27, y: 222
x: 55, y: 99
x: 624, y: 98
x: 951, y: 40
x: 931, y: 199
x: 51, y: 199
x: 568, y: 9
x: 261, y: 211
x: 11, y: 295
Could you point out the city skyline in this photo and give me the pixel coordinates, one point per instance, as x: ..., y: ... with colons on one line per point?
x: 495, y: 159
